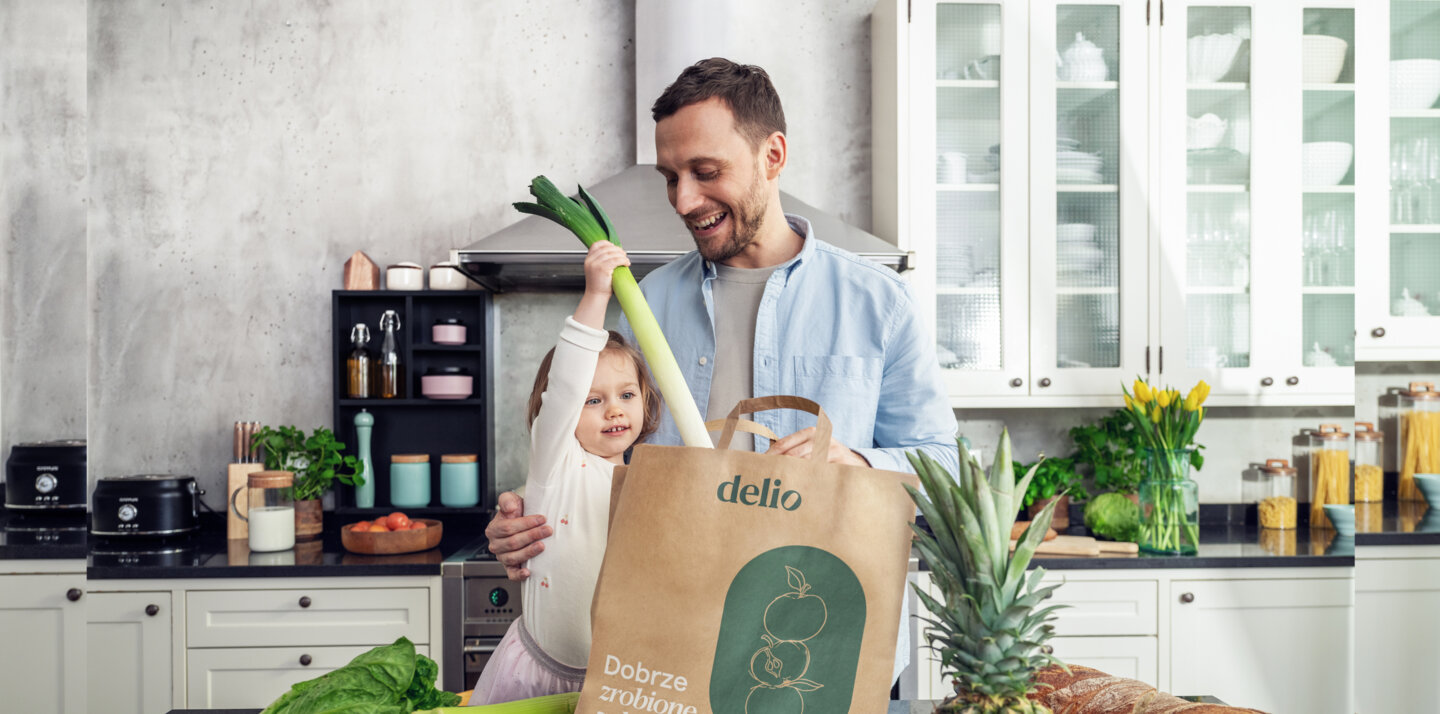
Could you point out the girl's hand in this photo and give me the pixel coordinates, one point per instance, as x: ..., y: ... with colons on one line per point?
x: 602, y: 260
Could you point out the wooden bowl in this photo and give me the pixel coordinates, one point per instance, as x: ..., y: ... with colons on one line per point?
x: 369, y: 543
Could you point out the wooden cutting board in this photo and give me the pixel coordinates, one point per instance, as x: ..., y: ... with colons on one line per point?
x: 1082, y: 545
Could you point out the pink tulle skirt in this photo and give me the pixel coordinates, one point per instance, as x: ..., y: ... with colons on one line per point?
x: 519, y: 669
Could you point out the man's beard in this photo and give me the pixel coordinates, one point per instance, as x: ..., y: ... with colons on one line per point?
x: 744, y: 220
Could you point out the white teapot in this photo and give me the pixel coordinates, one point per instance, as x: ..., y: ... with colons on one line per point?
x: 1083, y: 61
x: 1319, y: 358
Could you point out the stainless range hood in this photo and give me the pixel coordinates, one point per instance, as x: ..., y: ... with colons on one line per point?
x: 536, y: 254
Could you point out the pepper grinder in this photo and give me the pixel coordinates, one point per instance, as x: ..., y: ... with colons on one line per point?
x: 365, y: 492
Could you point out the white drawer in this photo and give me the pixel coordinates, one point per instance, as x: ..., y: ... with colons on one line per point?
x: 253, y: 677
x: 1124, y: 607
x: 308, y: 617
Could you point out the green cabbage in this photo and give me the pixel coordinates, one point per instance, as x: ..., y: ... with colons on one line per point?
x: 1114, y: 517
x: 386, y: 680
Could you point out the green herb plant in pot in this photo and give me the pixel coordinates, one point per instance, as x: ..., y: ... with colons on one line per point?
x: 317, y: 463
x: 1055, y: 480
x: 1113, y: 451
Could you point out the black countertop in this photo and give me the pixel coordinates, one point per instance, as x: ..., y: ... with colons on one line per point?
x: 1228, y: 539
x: 208, y: 554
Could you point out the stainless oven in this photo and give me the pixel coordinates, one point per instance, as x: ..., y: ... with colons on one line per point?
x: 479, y: 604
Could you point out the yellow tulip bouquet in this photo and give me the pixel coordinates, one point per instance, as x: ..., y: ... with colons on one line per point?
x: 1169, y: 500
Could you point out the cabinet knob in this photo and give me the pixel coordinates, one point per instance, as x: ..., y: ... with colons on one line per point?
x: 152, y: 610
x: 305, y: 660
x: 73, y: 594
x: 304, y: 601
x: 1187, y: 598
x: 1266, y: 382
x: 1045, y: 382
x: 1377, y: 332
x: 1016, y: 382
x: 1292, y: 381
x: 1047, y: 649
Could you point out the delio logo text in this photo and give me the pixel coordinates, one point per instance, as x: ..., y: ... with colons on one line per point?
x: 766, y: 495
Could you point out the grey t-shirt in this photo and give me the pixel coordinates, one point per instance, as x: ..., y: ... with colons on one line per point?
x: 737, y: 293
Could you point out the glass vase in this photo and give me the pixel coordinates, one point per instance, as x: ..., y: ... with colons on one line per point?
x: 1169, y: 504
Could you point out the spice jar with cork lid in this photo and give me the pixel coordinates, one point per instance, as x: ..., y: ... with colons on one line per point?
x: 1277, y: 507
x: 1369, y: 474
x: 1419, y: 442
x: 1329, y: 472
x: 410, y: 480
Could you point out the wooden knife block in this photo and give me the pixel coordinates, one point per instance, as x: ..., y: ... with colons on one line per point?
x: 238, y: 480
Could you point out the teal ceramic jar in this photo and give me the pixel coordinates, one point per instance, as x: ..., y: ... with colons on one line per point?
x: 459, y: 480
x: 410, y: 480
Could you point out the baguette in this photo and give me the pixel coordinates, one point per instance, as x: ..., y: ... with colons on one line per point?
x: 1083, y: 690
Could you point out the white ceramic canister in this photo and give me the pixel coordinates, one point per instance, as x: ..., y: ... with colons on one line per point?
x: 405, y: 276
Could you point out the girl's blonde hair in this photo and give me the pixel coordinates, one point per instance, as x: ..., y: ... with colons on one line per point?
x: 617, y: 344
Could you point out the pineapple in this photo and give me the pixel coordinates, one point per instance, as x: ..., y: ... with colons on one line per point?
x: 987, y: 630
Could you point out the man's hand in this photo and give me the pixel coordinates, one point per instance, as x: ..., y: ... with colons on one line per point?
x: 802, y: 444
x: 515, y: 538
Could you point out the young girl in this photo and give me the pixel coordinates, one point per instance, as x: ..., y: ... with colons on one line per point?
x: 592, y: 400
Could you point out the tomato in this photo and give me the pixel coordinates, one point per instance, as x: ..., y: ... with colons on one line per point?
x: 397, y: 521
x: 361, y: 526
x: 378, y: 527
x: 416, y: 526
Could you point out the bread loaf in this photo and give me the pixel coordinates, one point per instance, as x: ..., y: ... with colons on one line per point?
x: 1083, y: 690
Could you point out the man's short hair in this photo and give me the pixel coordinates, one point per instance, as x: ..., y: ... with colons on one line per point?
x: 745, y: 88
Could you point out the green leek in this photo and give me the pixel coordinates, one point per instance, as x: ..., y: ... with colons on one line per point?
x: 552, y: 704
x: 589, y: 223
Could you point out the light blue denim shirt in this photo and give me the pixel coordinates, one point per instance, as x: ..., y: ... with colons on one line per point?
x: 832, y: 327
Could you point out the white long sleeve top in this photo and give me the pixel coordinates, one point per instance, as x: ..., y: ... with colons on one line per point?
x: 571, y: 487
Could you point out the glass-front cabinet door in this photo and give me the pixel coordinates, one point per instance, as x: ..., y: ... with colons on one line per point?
x: 1088, y: 188
x: 1209, y: 158
x: 1398, y: 296
x: 968, y: 191
x: 1257, y: 217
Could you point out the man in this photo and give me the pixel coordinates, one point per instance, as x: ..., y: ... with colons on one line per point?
x: 764, y: 307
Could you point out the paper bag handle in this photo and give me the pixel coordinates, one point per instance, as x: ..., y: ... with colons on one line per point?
x: 744, y: 425
x: 821, y: 449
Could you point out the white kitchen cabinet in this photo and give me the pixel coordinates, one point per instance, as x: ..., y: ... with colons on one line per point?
x: 328, y: 615
x: 1132, y: 657
x: 241, y: 642
x: 1397, y: 625
x: 128, y: 648
x: 1398, y: 296
x: 42, y: 613
x: 1256, y: 278
x: 1275, y: 645
x: 253, y: 677
x: 1085, y: 243
x: 1275, y: 639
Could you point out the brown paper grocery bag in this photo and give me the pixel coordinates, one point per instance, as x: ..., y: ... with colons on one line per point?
x: 744, y: 583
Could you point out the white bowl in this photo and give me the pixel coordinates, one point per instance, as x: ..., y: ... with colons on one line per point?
x: 1210, y: 56
x: 1205, y: 132
x: 1324, y: 57
x: 1325, y: 163
x: 1414, y: 83
x: 1075, y: 233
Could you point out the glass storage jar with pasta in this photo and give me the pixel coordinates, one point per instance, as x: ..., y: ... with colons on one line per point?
x: 1329, y: 472
x: 1277, y: 495
x: 1419, y: 442
x: 1369, y: 474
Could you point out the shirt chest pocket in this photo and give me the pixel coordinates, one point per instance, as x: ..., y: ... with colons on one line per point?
x: 847, y: 388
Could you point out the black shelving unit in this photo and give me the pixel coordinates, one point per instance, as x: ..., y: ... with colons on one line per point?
x: 415, y: 424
